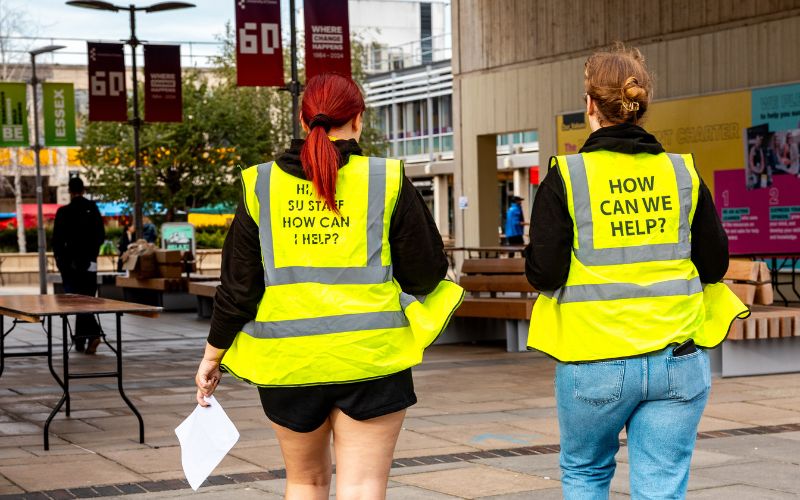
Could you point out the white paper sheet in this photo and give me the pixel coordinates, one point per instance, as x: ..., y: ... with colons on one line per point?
x: 206, y: 436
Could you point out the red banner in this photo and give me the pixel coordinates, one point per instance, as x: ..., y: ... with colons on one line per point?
x: 327, y: 37
x: 162, y: 83
x: 108, y: 100
x: 259, y: 57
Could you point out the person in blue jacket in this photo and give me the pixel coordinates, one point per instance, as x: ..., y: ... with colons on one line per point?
x: 514, y: 222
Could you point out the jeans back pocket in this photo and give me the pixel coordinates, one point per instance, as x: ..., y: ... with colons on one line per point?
x: 600, y: 382
x: 689, y: 376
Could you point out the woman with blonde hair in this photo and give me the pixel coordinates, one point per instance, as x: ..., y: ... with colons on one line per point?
x: 628, y: 253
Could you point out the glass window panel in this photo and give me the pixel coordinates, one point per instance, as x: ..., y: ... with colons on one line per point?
x: 447, y: 114
x: 447, y: 142
x: 530, y: 136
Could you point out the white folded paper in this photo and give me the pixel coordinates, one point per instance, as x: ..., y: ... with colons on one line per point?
x: 206, y: 436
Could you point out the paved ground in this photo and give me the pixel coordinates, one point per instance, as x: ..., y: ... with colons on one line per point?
x: 485, y: 427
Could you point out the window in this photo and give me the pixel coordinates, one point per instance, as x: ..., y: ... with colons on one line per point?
x: 426, y: 42
x: 446, y: 113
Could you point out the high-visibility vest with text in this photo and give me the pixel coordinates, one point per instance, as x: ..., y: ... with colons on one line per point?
x: 332, y: 311
x: 632, y: 288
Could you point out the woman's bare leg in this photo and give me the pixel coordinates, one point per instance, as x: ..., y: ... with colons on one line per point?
x: 364, y: 451
x: 307, y: 456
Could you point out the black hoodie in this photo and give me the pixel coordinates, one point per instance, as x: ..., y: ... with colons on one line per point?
x: 547, y: 257
x: 418, y: 259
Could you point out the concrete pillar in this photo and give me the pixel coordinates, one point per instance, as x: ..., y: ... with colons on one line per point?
x: 479, y: 184
x: 395, y: 130
x: 522, y: 189
x: 441, y: 204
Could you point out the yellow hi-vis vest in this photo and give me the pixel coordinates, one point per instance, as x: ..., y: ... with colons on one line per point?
x: 632, y: 288
x: 332, y: 311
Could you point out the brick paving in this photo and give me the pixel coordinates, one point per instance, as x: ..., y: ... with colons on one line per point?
x: 485, y: 427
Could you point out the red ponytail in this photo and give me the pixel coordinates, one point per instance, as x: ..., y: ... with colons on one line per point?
x: 329, y: 101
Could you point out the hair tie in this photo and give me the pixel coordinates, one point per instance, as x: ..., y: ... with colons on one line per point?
x: 321, y: 120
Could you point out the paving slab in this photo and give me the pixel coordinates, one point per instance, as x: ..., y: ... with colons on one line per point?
x: 477, y: 404
x: 773, y: 476
x: 475, y: 481
x: 740, y: 491
x: 90, y: 470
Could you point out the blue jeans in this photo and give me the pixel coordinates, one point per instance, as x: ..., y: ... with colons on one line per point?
x: 658, y: 398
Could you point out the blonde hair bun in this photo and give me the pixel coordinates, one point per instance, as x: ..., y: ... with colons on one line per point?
x: 633, y: 91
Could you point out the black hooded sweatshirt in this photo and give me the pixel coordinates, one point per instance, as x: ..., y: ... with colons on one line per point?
x: 547, y: 257
x: 418, y: 258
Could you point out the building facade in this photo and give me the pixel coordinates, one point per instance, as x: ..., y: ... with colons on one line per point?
x: 518, y: 65
x: 414, y: 109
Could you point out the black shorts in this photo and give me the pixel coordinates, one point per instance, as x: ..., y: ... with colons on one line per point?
x: 304, y: 409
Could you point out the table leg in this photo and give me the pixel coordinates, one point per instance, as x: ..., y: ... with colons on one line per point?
x: 65, y: 348
x: 49, y: 332
x: 776, y: 281
x: 2, y: 344
x: 119, y: 379
x: 65, y: 396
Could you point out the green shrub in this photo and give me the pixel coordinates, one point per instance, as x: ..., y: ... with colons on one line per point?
x: 8, y: 239
x: 210, y: 236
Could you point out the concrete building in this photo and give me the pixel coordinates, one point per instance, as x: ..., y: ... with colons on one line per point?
x: 401, y: 33
x: 518, y: 66
x: 414, y: 108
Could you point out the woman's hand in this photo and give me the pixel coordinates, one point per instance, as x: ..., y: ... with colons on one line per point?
x: 208, y: 373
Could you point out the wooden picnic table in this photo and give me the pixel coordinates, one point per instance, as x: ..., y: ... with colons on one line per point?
x: 42, y: 309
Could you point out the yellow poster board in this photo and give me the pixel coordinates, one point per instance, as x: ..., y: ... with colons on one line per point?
x: 709, y: 127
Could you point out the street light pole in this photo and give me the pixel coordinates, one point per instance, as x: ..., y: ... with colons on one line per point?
x: 294, y: 85
x: 36, y: 149
x: 136, y: 122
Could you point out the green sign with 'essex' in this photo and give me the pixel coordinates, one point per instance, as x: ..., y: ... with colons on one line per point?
x: 59, y: 114
x: 13, y: 114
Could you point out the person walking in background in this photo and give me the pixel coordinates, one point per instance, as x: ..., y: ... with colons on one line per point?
x: 78, y: 233
x: 327, y: 310
x: 128, y: 236
x: 514, y: 222
x: 149, y: 231
x: 628, y: 252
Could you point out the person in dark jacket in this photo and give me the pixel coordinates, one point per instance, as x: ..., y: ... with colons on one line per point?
x: 128, y: 237
x: 78, y: 233
x: 149, y: 231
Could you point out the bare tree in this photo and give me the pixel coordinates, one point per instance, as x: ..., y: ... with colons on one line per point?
x: 14, y: 25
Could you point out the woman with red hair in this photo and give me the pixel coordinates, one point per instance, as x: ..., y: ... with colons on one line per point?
x: 332, y: 286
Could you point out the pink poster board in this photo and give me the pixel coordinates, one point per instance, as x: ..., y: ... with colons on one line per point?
x: 759, y: 221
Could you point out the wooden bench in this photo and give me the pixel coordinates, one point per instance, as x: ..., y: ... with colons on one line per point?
x: 498, y: 289
x: 204, y: 291
x: 768, y: 341
x: 170, y: 293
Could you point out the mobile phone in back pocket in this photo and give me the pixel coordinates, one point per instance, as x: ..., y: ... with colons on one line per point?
x: 687, y: 347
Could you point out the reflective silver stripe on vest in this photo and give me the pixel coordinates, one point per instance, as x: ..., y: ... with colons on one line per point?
x: 408, y: 299
x: 616, y: 291
x: 590, y: 256
x: 372, y: 273
x: 326, y: 325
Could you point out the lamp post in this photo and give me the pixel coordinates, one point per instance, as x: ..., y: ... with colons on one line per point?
x: 136, y: 122
x: 36, y: 149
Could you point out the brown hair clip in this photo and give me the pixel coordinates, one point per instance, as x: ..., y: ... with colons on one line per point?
x: 630, y: 106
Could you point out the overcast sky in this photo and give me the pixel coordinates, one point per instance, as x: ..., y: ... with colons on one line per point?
x: 53, y: 18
